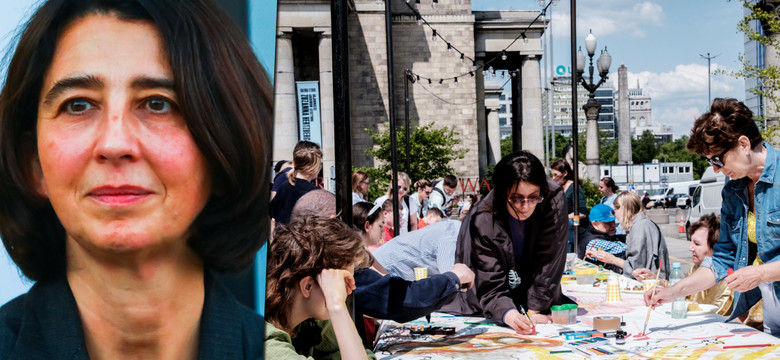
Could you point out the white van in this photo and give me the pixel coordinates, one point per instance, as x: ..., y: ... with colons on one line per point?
x: 682, y: 187
x: 706, y: 198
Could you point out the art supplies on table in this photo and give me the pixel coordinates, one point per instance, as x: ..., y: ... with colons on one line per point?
x: 432, y: 330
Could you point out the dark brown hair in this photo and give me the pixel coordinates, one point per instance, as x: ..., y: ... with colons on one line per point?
x: 521, y: 166
x: 712, y: 223
x: 563, y: 166
x: 225, y: 98
x: 304, y: 248
x: 360, y: 215
x: 608, y: 182
x: 719, y: 129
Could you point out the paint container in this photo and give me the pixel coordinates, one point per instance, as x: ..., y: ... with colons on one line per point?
x: 560, y: 315
x: 585, y: 277
x: 571, y: 309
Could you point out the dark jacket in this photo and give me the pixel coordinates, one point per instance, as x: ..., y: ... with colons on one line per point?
x: 485, y: 245
x: 45, y: 324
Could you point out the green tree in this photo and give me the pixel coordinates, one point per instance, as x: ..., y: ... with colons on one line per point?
x: 645, y: 149
x: 592, y: 194
x: 431, y: 151
x: 608, y: 149
x: 675, y: 151
x: 506, y: 146
x: 769, y: 75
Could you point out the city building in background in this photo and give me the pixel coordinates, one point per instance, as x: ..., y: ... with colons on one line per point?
x: 449, y: 89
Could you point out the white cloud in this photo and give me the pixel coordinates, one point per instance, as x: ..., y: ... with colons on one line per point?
x: 680, y: 95
x: 610, y: 17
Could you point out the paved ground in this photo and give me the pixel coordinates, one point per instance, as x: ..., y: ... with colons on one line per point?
x: 676, y: 242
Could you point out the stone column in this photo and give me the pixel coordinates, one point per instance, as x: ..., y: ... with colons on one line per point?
x: 624, y: 131
x: 482, y: 157
x: 592, y: 139
x: 285, y: 111
x: 326, y: 106
x: 533, y: 129
x: 492, y: 106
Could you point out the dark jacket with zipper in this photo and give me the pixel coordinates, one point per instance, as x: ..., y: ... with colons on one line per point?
x: 485, y: 245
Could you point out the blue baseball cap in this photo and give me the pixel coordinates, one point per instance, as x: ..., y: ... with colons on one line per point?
x: 601, y: 212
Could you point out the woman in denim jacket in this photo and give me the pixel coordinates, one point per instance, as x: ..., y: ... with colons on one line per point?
x: 747, y: 251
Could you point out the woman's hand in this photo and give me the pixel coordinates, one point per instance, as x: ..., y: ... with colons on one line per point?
x: 746, y: 278
x: 518, y: 322
x: 538, y: 318
x: 336, y: 284
x: 661, y: 296
x: 643, y: 274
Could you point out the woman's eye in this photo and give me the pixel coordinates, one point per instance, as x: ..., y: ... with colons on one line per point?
x: 158, y: 105
x: 78, y: 107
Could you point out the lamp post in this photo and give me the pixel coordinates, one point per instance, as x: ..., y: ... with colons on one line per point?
x: 592, y: 107
x: 709, y: 76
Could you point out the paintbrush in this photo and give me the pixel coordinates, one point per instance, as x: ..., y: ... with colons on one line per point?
x: 533, y: 327
x: 650, y: 308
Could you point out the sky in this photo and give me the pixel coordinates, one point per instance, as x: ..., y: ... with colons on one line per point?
x: 659, y: 41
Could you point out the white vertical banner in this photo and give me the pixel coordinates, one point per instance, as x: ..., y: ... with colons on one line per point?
x: 309, y: 123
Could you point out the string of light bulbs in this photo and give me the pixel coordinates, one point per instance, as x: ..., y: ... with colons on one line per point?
x: 415, y: 77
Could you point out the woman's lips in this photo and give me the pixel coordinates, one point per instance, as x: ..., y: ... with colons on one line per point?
x: 119, y: 195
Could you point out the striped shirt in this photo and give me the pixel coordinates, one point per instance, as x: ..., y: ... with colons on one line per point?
x: 432, y: 247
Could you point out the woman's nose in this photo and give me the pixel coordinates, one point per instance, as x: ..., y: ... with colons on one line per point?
x: 117, y: 137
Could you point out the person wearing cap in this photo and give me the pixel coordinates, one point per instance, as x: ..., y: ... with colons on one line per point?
x: 601, y: 235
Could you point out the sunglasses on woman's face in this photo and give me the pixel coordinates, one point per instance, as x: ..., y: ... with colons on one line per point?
x: 717, y: 160
x: 519, y: 200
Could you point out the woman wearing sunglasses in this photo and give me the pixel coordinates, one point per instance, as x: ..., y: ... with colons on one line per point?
x: 748, y: 248
x: 515, y: 241
x: 404, y: 182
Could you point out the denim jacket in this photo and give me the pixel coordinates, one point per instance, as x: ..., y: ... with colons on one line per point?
x: 731, y: 250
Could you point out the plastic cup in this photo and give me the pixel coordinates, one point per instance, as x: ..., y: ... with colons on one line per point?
x: 585, y: 277
x: 648, y: 284
x: 560, y: 315
x: 420, y: 273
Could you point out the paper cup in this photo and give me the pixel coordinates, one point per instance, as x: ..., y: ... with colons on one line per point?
x: 613, y: 293
x: 649, y: 284
x: 420, y: 273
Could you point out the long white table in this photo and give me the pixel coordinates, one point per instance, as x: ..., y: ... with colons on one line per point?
x: 696, y: 337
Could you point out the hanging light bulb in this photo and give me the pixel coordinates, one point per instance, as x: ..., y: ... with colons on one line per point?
x: 502, y: 74
x: 418, y: 77
x: 441, y: 81
x: 525, y: 38
x: 471, y: 73
x: 434, y: 3
x: 461, y: 58
x: 429, y: 81
x: 490, y: 69
x: 419, y: 20
x: 503, y: 55
x: 449, y: 48
x: 514, y: 73
x: 456, y: 79
x: 433, y: 37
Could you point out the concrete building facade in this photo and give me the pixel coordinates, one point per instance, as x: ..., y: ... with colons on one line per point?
x: 304, y: 48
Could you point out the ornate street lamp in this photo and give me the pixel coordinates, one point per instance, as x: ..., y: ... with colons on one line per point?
x: 592, y: 107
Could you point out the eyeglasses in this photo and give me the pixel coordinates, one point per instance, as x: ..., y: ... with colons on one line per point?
x: 404, y: 188
x: 365, y: 182
x: 428, y: 192
x: 519, y: 200
x: 717, y: 160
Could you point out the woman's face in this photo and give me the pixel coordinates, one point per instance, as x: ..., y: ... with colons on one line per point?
x: 736, y: 161
x: 521, y: 200
x: 424, y: 193
x: 699, y: 247
x: 363, y: 187
x: 117, y: 160
x: 604, y: 189
x: 374, y: 231
x: 558, y: 176
x: 620, y: 212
